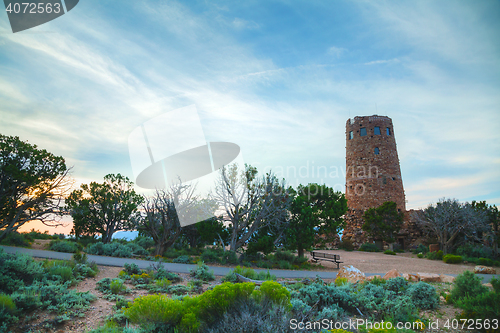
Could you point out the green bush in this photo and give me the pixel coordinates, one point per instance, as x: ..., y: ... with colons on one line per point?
x: 202, y: 272
x: 114, y: 249
x: 452, y: 259
x: 346, y: 244
x: 116, y: 286
x: 483, y: 306
x: 16, y: 239
x: 369, y: 247
x: 17, y: 270
x: 210, y: 256
x: 183, y: 260
x: 131, y: 269
x: 392, y: 253
x: 466, y: 285
x: 248, y: 273
x: 64, y: 246
x: 485, y: 262
x: 398, y: 285
x: 64, y: 273
x: 437, y: 255
x: 423, y: 295
x: 420, y: 255
x: 7, y: 304
x: 421, y: 248
x: 476, y: 251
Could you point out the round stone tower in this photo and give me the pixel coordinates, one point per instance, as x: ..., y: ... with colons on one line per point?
x: 373, y: 175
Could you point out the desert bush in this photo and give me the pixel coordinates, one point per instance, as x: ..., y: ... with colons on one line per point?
x: 116, y: 286
x: 369, y: 247
x: 485, y: 261
x: 483, y: 306
x: 398, y: 285
x: 64, y: 273
x: 476, y: 251
x: 420, y: 255
x: 159, y: 272
x: 437, y: 255
x: 17, y: 270
x: 248, y: 313
x: 346, y: 244
x: 421, y: 248
x: 177, y: 289
x: 143, y: 278
x: 7, y: 312
x: 202, y: 272
x: 392, y: 253
x: 423, y: 295
x: 248, y: 273
x: 466, y: 285
x: 64, y: 246
x: 115, y: 249
x: 341, y: 281
x: 320, y: 296
x: 131, y: 269
x: 183, y: 260
x: 452, y: 259
x: 16, y: 239
x: 211, y: 256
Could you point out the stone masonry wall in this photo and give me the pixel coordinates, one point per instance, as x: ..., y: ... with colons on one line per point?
x: 373, y: 174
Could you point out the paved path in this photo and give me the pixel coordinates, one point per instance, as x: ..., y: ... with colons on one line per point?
x: 184, y: 268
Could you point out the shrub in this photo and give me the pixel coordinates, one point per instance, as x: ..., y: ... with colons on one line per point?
x: 420, y: 255
x: 369, y: 247
x: 202, y: 272
x: 143, y: 278
x: 485, y: 262
x: 275, y: 292
x: 144, y: 242
x: 131, y: 269
x: 421, y: 248
x: 7, y: 304
x: 210, y: 256
x: 178, y: 289
x: 116, y: 286
x: 320, y: 296
x: 183, y: 260
x: 466, y: 285
x: 423, y: 295
x: 17, y: 270
x: 452, y: 259
x: 476, y: 251
x: 63, y: 246
x: 483, y: 306
x: 64, y: 273
x: 392, y: 253
x: 159, y: 272
x: 16, y: 239
x: 114, y: 249
x: 398, y: 285
x: 346, y: 244
x: 340, y: 281
x: 438, y: 255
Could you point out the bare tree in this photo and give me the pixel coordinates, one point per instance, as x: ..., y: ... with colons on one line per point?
x: 250, y: 203
x: 449, y: 218
x: 163, y: 213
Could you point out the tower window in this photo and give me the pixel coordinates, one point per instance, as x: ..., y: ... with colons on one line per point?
x: 376, y: 130
x: 350, y: 135
x: 376, y: 151
x: 388, y: 131
x: 362, y: 131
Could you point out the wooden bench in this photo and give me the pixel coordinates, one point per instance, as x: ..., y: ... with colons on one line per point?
x: 326, y: 256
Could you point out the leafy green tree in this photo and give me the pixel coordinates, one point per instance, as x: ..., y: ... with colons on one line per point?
x: 104, y: 208
x: 315, y: 209
x: 448, y: 218
x: 249, y: 202
x: 32, y: 185
x: 383, y: 222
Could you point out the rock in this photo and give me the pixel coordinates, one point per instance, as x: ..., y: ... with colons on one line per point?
x: 442, y: 299
x: 411, y: 277
x: 484, y: 270
x: 428, y: 277
x: 373, y: 277
x: 447, y: 278
x: 351, y: 273
x: 393, y: 273
x: 488, y: 285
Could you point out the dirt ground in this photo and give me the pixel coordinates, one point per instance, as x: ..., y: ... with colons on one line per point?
x: 377, y: 262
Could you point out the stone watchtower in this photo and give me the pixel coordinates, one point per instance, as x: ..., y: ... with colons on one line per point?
x: 373, y: 175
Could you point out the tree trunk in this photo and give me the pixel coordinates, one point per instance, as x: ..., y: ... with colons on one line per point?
x: 300, y: 251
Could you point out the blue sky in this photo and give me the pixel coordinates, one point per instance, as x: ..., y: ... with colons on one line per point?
x: 278, y: 78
